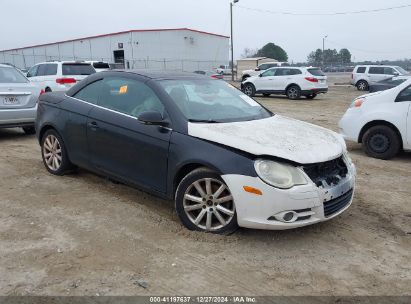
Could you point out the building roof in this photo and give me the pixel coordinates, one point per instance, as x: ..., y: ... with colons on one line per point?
x: 257, y: 59
x: 118, y: 33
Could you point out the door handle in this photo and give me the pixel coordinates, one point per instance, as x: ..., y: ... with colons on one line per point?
x: 93, y: 125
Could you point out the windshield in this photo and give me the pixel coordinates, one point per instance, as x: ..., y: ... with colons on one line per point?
x: 203, y: 100
x: 78, y: 69
x: 401, y: 70
x: 316, y: 72
x: 11, y: 75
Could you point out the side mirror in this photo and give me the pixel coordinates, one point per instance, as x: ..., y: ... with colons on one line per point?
x: 257, y: 69
x: 396, y: 74
x: 260, y: 75
x: 152, y: 118
x: 28, y: 75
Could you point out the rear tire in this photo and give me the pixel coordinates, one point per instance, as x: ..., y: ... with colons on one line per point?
x: 362, y: 85
x: 293, y: 92
x: 29, y: 130
x: 381, y: 142
x: 249, y: 89
x: 54, y: 153
x: 206, y: 208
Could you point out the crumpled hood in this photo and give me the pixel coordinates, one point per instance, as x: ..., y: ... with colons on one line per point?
x: 277, y: 136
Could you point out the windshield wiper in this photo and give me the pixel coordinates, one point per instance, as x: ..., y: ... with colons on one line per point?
x: 204, y: 120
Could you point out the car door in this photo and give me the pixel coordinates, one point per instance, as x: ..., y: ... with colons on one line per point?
x: 403, y: 103
x: 75, y: 130
x: 265, y: 80
x: 282, y: 79
x: 122, y: 146
x: 376, y: 74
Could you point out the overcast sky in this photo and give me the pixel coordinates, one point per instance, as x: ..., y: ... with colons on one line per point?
x: 369, y: 36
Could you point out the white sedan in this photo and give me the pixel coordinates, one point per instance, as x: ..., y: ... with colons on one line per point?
x: 381, y: 121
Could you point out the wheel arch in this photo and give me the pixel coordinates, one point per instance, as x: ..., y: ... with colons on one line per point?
x: 374, y: 123
x: 292, y: 85
x: 185, y: 169
x: 44, y: 129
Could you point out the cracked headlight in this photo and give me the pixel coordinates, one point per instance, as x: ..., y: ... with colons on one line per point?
x: 279, y: 175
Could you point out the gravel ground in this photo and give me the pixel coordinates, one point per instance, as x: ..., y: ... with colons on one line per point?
x: 83, y: 235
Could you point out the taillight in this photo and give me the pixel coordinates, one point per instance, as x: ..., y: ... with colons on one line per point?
x: 42, y: 92
x: 311, y: 79
x: 352, y: 76
x: 65, y: 80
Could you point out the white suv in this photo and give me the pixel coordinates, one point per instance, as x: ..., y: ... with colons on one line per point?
x: 59, y: 75
x: 364, y: 75
x: 261, y: 68
x: 290, y: 81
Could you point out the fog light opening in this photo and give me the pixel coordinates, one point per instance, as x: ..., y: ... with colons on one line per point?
x: 287, y: 216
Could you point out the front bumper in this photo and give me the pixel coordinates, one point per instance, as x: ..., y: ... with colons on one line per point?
x: 310, y: 203
x: 17, y: 117
x: 350, y: 125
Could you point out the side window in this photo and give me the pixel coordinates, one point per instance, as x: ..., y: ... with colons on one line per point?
x: 269, y: 73
x: 405, y: 95
x: 90, y: 93
x: 41, y: 71
x: 282, y: 72
x: 388, y: 71
x: 51, y: 69
x: 264, y: 67
x: 361, y: 70
x: 33, y: 71
x: 47, y: 69
x: 295, y: 72
x: 376, y: 70
x: 128, y: 96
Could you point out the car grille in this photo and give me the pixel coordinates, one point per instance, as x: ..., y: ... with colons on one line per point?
x: 335, y: 205
x: 329, y: 173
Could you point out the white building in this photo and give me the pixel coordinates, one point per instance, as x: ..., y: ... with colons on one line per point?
x: 171, y: 49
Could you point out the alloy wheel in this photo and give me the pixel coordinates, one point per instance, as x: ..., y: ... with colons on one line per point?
x: 52, y: 152
x: 292, y: 93
x: 248, y: 90
x: 209, y: 205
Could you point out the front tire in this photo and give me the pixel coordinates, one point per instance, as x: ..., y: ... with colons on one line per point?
x: 29, y: 130
x: 54, y: 153
x: 204, y: 203
x: 381, y: 142
x: 362, y: 85
x: 293, y: 92
x: 249, y: 89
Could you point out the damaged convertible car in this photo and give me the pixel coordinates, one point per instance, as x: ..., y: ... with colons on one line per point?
x: 223, y: 158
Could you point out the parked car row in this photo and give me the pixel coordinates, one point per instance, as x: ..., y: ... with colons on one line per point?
x: 338, y: 69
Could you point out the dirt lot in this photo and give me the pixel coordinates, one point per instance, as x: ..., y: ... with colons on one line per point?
x: 84, y: 235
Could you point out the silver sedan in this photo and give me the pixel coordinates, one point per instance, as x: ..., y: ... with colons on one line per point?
x: 18, y: 100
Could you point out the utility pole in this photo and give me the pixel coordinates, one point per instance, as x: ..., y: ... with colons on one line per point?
x: 232, y: 43
x: 325, y: 37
